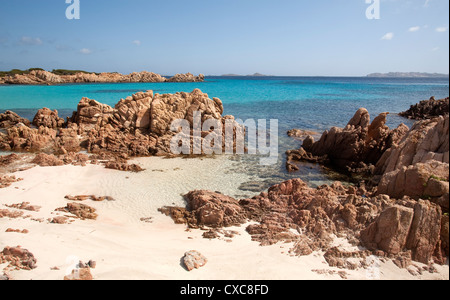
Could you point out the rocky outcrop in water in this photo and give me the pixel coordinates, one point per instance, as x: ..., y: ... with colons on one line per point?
x: 36, y: 77
x: 139, y: 125
x: 427, y: 109
x: 9, y: 119
x: 48, y: 118
x: 354, y: 147
x: 418, y: 166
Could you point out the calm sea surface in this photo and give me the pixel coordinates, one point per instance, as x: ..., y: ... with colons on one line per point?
x: 313, y: 103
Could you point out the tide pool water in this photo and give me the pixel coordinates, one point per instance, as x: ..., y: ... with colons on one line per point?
x: 312, y: 103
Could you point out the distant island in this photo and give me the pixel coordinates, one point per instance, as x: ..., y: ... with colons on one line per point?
x: 408, y: 75
x: 253, y: 75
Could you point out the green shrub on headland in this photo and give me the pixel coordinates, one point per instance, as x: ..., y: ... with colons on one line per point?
x: 24, y: 72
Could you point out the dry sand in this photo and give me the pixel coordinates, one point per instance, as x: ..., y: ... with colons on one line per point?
x: 125, y: 247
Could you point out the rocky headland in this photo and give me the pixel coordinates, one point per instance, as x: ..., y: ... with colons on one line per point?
x: 137, y: 126
x: 42, y: 77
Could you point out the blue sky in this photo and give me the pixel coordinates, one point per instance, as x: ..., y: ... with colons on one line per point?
x: 214, y: 37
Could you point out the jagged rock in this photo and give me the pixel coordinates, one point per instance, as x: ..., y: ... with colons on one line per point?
x: 47, y: 118
x: 91, y: 114
x: 295, y: 213
x: 139, y: 125
x: 208, y: 209
x: 5, y: 213
x: 9, y: 119
x: 25, y: 206
x: 427, y: 140
x: 427, y: 109
x: 188, y: 77
x: 18, y: 257
x: 421, y: 180
x: 425, y: 231
x: 390, y: 231
x: 47, y: 160
x: 123, y: 167
x: 23, y: 138
x: 6, y: 181
x: 360, y: 142
x: 397, y: 228
x: 81, y: 211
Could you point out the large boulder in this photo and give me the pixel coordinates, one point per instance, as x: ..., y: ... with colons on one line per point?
x: 360, y: 142
x: 134, y: 111
x: 48, y: 118
x: 425, y: 231
x: 427, y: 140
x: 399, y: 228
x: 390, y: 231
x: 9, y: 119
x: 91, y: 114
x: 214, y: 209
x: 422, y: 180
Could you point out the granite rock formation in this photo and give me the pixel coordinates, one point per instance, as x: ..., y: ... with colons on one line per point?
x: 139, y: 125
x: 359, y: 144
x: 427, y: 109
x: 37, y: 77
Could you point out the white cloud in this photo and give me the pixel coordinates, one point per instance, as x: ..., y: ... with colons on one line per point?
x: 435, y: 49
x: 137, y: 42
x: 414, y: 29
x: 427, y: 3
x: 442, y: 29
x: 85, y: 51
x: 26, y: 40
x: 388, y: 36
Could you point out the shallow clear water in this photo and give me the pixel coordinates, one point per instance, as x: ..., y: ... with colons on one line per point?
x: 313, y: 103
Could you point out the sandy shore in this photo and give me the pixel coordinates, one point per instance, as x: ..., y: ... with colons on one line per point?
x: 125, y: 247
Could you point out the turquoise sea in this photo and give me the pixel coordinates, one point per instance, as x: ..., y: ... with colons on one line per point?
x: 313, y: 103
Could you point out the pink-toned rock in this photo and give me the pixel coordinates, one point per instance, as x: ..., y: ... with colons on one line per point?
x: 360, y: 142
x: 80, y: 274
x: 421, y: 180
x: 188, y: 77
x: 215, y: 210
x: 427, y: 140
x: 18, y: 257
x: 48, y: 118
x: 425, y: 231
x: 194, y: 260
x: 23, y: 138
x: 47, y: 160
x: 390, y: 231
x: 398, y: 228
x: 9, y: 119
